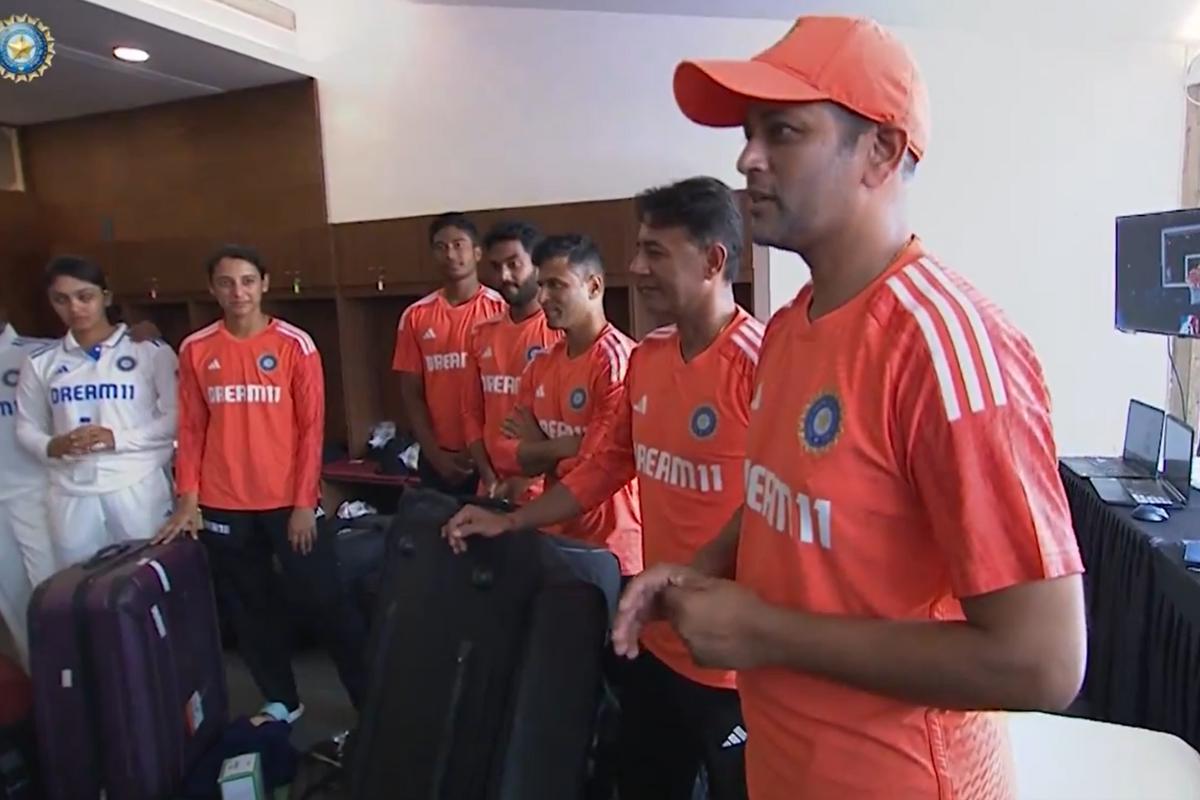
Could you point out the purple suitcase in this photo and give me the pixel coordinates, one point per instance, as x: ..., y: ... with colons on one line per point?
x: 128, y: 673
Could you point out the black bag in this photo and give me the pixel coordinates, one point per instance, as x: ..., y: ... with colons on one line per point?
x: 485, y: 667
x: 361, y: 548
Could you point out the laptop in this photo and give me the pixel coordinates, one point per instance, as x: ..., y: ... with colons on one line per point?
x: 1171, y: 488
x: 1139, y: 457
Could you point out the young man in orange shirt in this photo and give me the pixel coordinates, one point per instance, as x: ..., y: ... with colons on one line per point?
x: 431, y: 355
x: 500, y: 348
x: 681, y: 431
x: 569, y: 397
x: 904, y: 559
x: 247, y: 470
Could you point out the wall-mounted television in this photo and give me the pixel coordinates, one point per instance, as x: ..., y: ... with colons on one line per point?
x: 1158, y: 273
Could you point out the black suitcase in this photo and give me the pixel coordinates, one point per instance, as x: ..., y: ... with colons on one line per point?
x: 485, y: 667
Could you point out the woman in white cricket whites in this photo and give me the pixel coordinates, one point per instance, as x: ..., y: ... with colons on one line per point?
x: 99, y: 409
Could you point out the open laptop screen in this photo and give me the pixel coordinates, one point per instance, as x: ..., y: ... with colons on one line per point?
x: 1178, y: 442
x: 1143, y: 435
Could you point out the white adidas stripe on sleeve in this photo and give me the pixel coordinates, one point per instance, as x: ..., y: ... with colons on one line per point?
x: 941, y: 366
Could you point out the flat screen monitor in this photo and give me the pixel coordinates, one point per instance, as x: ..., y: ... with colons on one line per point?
x: 1158, y: 273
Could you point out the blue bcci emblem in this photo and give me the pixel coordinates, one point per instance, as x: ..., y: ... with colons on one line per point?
x: 267, y: 362
x: 578, y: 399
x: 533, y: 352
x: 26, y: 48
x: 822, y: 423
x: 10, y: 378
x: 126, y: 363
x: 704, y: 422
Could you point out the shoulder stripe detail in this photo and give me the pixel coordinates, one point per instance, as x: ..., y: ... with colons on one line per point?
x: 958, y: 338
x: 492, y: 294
x: 754, y: 334
x: 941, y: 366
x: 203, y: 333
x: 982, y: 339
x: 750, y: 323
x: 43, y: 350
x: 307, y: 345
x: 939, y: 308
x: 747, y: 345
x: 424, y: 301
x: 618, y: 356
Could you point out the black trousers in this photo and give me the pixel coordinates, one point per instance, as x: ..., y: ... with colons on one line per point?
x: 432, y: 479
x: 242, y: 547
x: 671, y: 727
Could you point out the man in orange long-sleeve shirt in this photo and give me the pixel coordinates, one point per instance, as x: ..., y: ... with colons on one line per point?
x: 431, y: 355
x: 569, y: 397
x: 681, y: 431
x: 251, y: 420
x: 499, y: 351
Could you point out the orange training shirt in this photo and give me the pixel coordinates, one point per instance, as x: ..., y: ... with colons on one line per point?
x: 900, y: 457
x: 431, y: 341
x: 497, y: 355
x: 682, y: 432
x: 581, y: 396
x: 251, y: 418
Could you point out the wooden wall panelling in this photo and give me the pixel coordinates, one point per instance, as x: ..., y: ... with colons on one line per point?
x: 371, y: 389
x: 247, y: 160
x: 299, y: 260
x: 171, y: 318
x: 618, y: 308
x: 319, y: 318
x: 383, y: 256
x: 24, y: 250
x: 203, y: 312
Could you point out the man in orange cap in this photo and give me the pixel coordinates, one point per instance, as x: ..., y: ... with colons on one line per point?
x: 904, y: 556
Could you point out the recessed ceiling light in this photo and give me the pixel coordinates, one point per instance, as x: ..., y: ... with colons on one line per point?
x: 132, y: 54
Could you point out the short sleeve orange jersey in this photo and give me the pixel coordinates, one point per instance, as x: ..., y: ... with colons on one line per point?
x: 581, y: 396
x: 431, y: 341
x: 682, y: 432
x: 900, y: 457
x: 497, y: 355
x: 251, y: 418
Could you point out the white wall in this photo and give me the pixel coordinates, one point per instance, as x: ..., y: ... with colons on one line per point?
x: 1037, y: 147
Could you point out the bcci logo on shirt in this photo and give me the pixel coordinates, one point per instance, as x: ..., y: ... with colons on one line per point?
x: 10, y: 378
x: 704, y: 422
x: 821, y: 423
x: 26, y: 48
x: 126, y: 363
x: 577, y: 399
x: 533, y: 352
x: 267, y: 362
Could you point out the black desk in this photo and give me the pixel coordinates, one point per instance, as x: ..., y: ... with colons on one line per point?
x: 1143, y: 614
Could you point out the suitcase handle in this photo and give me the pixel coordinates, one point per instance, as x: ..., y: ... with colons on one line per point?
x: 106, y: 553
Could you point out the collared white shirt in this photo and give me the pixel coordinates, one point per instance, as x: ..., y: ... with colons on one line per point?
x: 126, y: 386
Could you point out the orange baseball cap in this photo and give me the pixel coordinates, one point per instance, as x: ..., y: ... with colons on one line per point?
x: 847, y: 60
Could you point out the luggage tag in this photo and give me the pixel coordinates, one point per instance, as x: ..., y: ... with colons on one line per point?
x: 193, y: 712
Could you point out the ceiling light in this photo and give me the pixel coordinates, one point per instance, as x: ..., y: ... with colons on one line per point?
x: 131, y: 54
